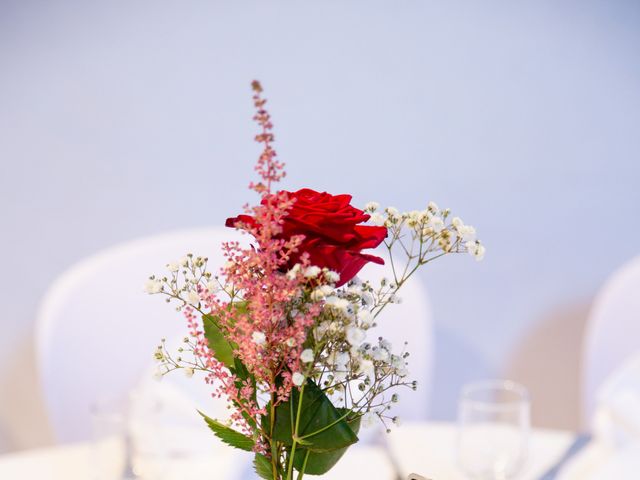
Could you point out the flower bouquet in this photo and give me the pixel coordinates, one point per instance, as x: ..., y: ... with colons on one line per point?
x: 280, y: 331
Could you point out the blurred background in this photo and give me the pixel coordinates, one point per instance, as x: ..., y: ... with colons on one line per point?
x: 129, y: 118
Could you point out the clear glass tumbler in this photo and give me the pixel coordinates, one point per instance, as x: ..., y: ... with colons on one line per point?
x: 112, y: 455
x: 493, y: 429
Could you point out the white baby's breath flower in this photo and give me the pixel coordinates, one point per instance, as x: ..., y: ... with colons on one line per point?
x: 184, y: 261
x: 368, y: 420
x: 367, y: 369
x: 297, y: 379
x: 320, y: 331
x: 355, y: 290
x: 259, y: 338
x: 340, y: 304
x: 475, y: 249
x: 397, y: 361
x: 153, y: 285
x: 342, y: 359
x: 335, y: 327
x: 364, y: 317
x: 414, y: 218
x: 436, y: 224
x: 312, y: 271
x: 367, y: 299
x: 380, y: 354
x: 392, y: 212
x: 159, y: 354
x: 395, y: 299
x: 377, y: 219
x: 355, y: 336
x: 433, y: 207
x: 467, y: 233
x: 399, y: 365
x: 213, y: 287
x: 371, y: 206
x: 188, y: 371
x: 173, y: 266
x: 331, y: 276
x: 307, y: 355
x: 457, y: 222
x: 293, y: 273
x: 339, y: 360
x: 193, y: 298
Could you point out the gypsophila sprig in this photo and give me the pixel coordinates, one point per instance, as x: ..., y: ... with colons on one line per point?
x: 285, y: 330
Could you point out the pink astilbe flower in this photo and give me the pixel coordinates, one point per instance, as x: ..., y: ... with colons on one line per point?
x: 268, y: 314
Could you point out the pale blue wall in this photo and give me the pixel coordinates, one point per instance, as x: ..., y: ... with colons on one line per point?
x: 126, y: 118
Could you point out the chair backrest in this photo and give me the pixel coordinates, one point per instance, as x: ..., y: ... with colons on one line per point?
x: 613, y: 332
x: 97, y: 330
x: 409, y: 321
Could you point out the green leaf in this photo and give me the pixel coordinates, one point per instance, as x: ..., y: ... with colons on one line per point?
x: 229, y: 435
x: 320, y: 463
x: 221, y: 347
x: 241, y: 371
x: 263, y: 468
x: 321, y: 423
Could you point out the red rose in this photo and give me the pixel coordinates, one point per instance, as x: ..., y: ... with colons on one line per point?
x: 333, y: 237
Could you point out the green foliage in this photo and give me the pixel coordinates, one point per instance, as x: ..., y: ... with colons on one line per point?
x: 229, y: 435
x: 262, y: 466
x: 222, y: 349
x: 321, y: 427
x: 319, y: 463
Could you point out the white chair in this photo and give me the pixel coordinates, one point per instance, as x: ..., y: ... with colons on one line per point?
x: 411, y: 322
x: 97, y: 330
x: 612, y: 333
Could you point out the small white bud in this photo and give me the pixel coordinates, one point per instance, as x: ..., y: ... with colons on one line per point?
x: 153, y: 286
x: 312, y: 271
x: 193, y: 298
x: 355, y: 336
x: 332, y: 277
x: 297, y: 379
x: 307, y: 355
x: 377, y: 219
x: 368, y: 419
x: 259, y: 338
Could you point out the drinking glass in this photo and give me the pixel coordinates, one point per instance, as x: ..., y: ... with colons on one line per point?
x: 112, y: 450
x: 493, y: 429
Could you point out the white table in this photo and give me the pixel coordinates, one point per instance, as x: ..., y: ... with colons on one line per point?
x: 425, y: 448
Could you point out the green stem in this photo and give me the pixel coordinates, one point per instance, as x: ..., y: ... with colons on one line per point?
x: 274, y: 449
x: 295, y: 435
x: 304, y: 465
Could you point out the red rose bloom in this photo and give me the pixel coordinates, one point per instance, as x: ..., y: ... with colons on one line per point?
x: 333, y: 237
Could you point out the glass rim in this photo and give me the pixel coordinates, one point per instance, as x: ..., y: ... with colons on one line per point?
x: 520, y: 391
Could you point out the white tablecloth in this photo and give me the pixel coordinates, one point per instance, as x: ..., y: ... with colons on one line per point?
x: 426, y: 448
